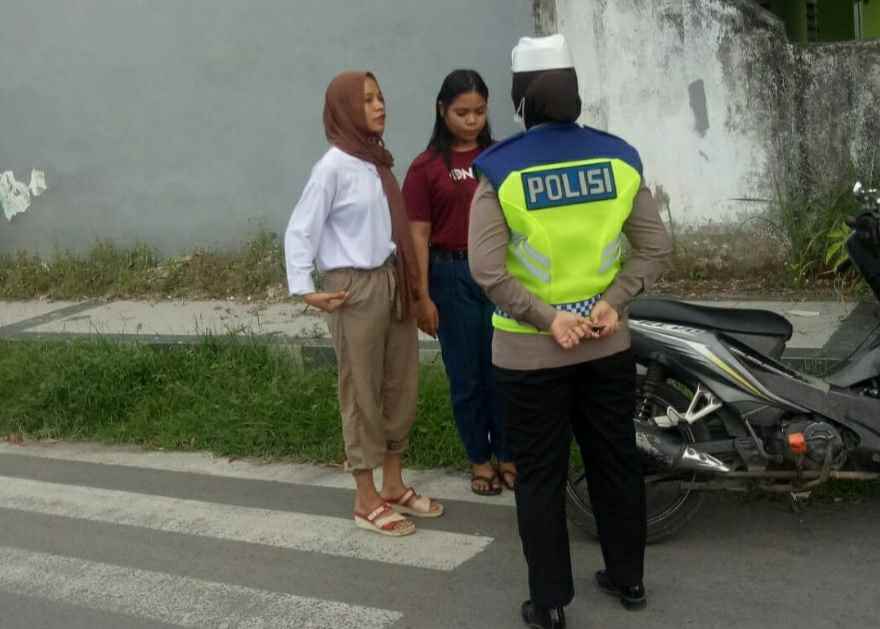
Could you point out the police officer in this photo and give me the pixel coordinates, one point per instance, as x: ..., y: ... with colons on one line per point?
x: 546, y: 229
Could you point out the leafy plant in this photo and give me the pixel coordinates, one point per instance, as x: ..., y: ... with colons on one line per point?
x: 810, y: 219
x: 836, y: 254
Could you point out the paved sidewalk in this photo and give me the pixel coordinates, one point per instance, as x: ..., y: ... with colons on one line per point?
x: 826, y: 330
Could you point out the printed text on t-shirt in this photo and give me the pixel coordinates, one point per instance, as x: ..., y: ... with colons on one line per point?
x: 460, y: 174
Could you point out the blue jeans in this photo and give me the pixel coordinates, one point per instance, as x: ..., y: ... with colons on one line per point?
x: 465, y: 334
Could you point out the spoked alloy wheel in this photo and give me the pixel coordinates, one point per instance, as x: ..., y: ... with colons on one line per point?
x: 669, y: 506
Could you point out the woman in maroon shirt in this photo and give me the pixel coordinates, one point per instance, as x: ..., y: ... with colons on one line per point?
x: 438, y: 190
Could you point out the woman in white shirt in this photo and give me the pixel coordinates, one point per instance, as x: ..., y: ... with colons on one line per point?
x: 351, y: 222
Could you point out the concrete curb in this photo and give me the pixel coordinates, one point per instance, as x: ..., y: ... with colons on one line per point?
x: 825, y: 332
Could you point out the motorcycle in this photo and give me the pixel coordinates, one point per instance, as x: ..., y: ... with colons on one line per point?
x: 717, y: 409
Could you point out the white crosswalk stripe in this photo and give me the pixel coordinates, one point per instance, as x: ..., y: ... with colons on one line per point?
x: 66, y: 575
x: 437, y: 550
x: 434, y: 483
x: 181, y: 601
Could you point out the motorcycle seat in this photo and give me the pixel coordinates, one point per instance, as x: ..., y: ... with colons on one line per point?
x: 734, y: 320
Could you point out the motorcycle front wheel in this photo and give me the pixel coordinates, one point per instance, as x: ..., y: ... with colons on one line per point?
x: 669, y: 507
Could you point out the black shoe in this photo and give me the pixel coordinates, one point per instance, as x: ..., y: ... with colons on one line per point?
x: 543, y: 618
x: 632, y: 597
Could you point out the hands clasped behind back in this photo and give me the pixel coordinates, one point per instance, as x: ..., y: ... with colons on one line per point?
x: 569, y: 329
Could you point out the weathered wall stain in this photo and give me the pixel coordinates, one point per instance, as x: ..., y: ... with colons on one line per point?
x: 544, y: 12
x: 697, y: 94
x: 726, y: 113
x: 673, y: 18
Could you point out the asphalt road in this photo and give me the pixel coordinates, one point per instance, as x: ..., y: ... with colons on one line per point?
x: 103, y: 541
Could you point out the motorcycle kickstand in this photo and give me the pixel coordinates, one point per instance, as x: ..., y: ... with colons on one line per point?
x: 800, y: 500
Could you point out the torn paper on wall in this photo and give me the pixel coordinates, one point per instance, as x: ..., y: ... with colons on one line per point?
x: 37, y: 185
x: 15, y: 196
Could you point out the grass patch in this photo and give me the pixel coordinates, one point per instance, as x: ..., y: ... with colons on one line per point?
x: 749, y: 256
x: 231, y: 398
x: 255, y: 270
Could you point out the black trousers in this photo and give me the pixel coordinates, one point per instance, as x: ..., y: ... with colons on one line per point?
x: 596, y: 402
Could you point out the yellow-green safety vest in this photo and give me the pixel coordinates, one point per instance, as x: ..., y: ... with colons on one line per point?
x: 565, y: 192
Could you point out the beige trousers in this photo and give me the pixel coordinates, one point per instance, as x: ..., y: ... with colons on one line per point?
x: 378, y: 362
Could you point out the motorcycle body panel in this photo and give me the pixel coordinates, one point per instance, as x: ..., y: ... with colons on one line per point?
x: 756, y: 386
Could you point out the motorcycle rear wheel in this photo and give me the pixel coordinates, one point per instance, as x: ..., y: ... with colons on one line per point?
x: 669, y: 508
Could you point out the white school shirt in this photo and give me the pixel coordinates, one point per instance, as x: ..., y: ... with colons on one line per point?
x: 342, y: 220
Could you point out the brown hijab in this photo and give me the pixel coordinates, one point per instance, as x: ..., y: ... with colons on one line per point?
x: 345, y: 124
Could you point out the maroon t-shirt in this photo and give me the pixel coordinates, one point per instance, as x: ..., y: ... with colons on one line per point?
x: 442, y: 196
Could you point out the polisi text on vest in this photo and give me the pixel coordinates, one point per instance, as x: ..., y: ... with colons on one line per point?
x: 568, y: 186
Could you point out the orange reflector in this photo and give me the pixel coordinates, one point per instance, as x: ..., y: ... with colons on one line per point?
x: 796, y: 443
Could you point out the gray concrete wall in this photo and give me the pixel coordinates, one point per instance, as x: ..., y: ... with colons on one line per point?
x: 186, y: 123
x: 724, y: 110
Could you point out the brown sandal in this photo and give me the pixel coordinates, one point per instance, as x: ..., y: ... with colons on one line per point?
x: 490, y: 482
x: 385, y: 521
x: 411, y: 503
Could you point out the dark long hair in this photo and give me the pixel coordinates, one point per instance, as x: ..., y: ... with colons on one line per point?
x: 455, y: 84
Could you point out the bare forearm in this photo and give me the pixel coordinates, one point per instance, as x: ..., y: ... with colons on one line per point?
x: 421, y: 235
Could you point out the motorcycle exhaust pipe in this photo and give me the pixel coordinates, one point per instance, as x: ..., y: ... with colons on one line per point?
x: 671, y: 452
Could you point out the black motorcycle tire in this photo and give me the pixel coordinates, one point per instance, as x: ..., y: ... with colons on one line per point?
x: 664, y: 523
